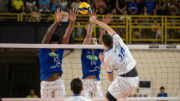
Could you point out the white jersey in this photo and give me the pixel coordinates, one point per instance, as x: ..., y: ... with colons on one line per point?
x: 119, y: 57
x: 77, y: 98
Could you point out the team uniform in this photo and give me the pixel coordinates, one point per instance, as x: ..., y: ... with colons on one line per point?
x: 50, y: 63
x: 77, y: 98
x: 91, y: 66
x: 120, y: 59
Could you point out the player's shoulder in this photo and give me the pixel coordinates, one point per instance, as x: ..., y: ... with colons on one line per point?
x: 85, y: 99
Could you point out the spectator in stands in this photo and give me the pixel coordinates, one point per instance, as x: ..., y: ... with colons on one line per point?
x: 155, y: 12
x: 50, y: 17
x: 120, y: 6
x: 178, y: 9
x: 150, y: 6
x: 42, y: 3
x: 29, y: 17
x: 45, y: 13
x: 133, y: 7
x: 90, y: 2
x: 63, y: 4
x: 66, y: 13
x: 32, y: 94
x: 30, y: 3
x: 123, y: 30
x: 36, y: 15
x: 53, y: 5
x: 136, y: 32
x: 162, y: 94
x: 76, y: 4
x: 76, y: 87
x: 101, y: 10
x: 16, y: 4
x: 100, y: 3
x: 161, y: 7
x: 23, y: 11
x: 156, y: 31
x: 144, y: 11
x: 140, y: 6
x: 108, y: 4
x: 114, y: 12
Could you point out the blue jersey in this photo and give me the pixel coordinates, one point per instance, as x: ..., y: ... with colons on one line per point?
x: 50, y: 62
x: 133, y: 6
x: 91, y: 64
x: 150, y: 6
x: 164, y: 95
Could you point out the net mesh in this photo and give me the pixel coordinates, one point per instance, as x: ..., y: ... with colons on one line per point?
x: 20, y: 71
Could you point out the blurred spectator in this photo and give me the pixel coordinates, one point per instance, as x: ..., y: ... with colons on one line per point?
x: 150, y: 6
x: 50, y: 17
x: 161, y: 7
x: 100, y: 3
x: 63, y: 4
x: 30, y: 3
x: 76, y: 4
x: 108, y: 5
x: 29, y: 17
x: 155, y: 12
x: 90, y: 2
x: 23, y: 11
x: 140, y: 6
x: 36, y: 15
x: 178, y: 9
x: 123, y: 30
x: 120, y: 6
x: 172, y: 6
x: 133, y: 7
x: 156, y: 31
x: 53, y: 5
x: 114, y: 12
x: 66, y: 13
x: 32, y: 94
x: 42, y: 3
x: 162, y: 94
x: 45, y: 13
x: 16, y: 4
x: 144, y: 11
x: 136, y: 32
x: 101, y: 10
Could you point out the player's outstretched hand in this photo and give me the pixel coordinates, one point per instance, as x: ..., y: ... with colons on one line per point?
x: 101, y: 56
x: 58, y: 13
x: 73, y: 14
x: 107, y: 19
x: 92, y: 16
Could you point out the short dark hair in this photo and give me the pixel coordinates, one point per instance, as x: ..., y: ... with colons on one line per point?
x: 76, y: 86
x: 55, y: 38
x: 162, y: 88
x: 58, y: 6
x: 107, y: 40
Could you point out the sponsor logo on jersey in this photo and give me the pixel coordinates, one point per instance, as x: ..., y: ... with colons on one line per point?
x: 53, y: 54
x: 92, y: 57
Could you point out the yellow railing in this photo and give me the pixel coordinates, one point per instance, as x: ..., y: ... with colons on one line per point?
x: 129, y: 23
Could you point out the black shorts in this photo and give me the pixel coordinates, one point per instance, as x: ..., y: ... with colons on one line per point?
x: 110, y: 97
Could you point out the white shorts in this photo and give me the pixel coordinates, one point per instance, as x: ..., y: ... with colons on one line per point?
x: 53, y: 89
x: 122, y: 87
x: 92, y: 88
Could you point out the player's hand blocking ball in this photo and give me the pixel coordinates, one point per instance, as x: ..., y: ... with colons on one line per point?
x: 92, y: 16
x: 73, y: 14
x: 58, y: 13
x: 107, y: 19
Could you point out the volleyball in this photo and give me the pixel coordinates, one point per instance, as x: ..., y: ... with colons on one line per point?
x: 84, y: 8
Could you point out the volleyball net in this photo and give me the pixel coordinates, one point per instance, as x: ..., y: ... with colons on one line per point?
x: 157, y: 65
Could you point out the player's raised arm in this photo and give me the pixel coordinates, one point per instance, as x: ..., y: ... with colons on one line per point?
x: 51, y: 29
x: 72, y: 18
x: 106, y: 21
x: 103, y: 25
x: 89, y: 31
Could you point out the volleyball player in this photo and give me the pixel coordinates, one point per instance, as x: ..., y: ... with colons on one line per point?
x: 91, y: 64
x: 118, y: 58
x: 51, y: 59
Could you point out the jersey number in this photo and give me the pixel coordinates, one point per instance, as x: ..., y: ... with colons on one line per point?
x: 122, y: 54
x: 93, y: 62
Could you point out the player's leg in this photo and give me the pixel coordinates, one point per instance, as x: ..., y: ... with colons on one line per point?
x: 59, y: 89
x: 46, y: 90
x: 87, y: 88
x: 98, y: 93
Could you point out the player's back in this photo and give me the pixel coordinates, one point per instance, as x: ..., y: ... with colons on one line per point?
x: 77, y: 98
x: 119, y: 57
